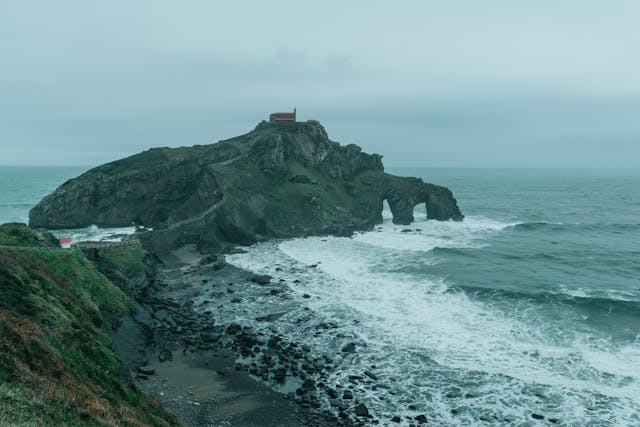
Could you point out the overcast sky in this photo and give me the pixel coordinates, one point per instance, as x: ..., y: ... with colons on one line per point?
x: 544, y: 83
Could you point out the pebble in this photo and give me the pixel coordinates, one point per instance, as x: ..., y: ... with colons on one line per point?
x: 146, y: 370
x: 421, y: 419
x: 362, y: 411
x: 263, y: 279
x: 349, y: 348
x: 371, y: 375
x: 165, y: 355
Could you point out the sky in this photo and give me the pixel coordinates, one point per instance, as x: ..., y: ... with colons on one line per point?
x: 462, y: 83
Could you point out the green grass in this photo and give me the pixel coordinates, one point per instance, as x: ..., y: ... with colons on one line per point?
x: 128, y: 259
x: 56, y: 362
x: 16, y: 234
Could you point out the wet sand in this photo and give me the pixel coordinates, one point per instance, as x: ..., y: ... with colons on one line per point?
x: 203, y: 389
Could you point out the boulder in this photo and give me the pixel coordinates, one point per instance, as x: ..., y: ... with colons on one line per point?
x: 146, y: 370
x: 349, y: 348
x: 261, y: 279
x: 421, y: 419
x: 371, y: 375
x: 165, y: 355
x: 279, y: 375
x: 361, y: 410
x: 233, y: 329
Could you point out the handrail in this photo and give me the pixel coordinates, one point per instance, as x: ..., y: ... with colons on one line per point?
x: 101, y: 245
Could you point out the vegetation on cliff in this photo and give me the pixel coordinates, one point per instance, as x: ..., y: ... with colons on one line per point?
x: 17, y: 234
x: 56, y: 362
x: 280, y: 180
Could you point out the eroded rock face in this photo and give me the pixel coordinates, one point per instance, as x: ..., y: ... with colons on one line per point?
x: 280, y: 180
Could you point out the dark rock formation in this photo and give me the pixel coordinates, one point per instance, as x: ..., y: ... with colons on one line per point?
x: 262, y: 279
x: 349, y: 348
x: 362, y: 410
x: 280, y: 180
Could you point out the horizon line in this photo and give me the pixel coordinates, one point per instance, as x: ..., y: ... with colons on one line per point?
x: 386, y: 166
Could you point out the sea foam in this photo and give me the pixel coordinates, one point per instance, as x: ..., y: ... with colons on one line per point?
x: 436, y: 346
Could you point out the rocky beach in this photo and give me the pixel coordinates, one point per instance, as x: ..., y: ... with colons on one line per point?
x: 186, y: 359
x: 209, y: 372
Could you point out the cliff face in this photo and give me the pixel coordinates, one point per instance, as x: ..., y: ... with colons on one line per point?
x: 280, y: 180
x: 57, y: 366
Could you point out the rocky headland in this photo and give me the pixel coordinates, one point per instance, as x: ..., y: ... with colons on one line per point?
x: 278, y: 181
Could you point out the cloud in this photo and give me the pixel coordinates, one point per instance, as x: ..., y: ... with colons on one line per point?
x: 425, y: 82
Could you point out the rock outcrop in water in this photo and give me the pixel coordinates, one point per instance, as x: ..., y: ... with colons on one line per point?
x: 280, y: 180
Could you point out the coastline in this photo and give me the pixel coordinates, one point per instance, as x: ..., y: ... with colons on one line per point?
x: 464, y: 264
x: 187, y: 360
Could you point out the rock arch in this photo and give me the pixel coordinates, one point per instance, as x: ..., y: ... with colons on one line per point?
x: 405, y: 195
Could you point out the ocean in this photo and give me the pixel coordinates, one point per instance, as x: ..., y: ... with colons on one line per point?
x: 22, y: 187
x: 526, y: 313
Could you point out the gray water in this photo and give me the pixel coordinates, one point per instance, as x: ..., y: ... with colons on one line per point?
x: 21, y: 187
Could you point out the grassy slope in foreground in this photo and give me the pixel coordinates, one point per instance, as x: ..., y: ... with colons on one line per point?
x: 56, y: 363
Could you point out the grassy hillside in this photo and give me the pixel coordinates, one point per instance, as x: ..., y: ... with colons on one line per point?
x: 56, y: 363
x: 17, y: 234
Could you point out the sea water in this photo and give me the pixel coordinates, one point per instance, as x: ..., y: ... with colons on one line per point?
x: 530, y: 306
x: 21, y: 188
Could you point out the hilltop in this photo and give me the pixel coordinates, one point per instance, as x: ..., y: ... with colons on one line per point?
x: 279, y: 180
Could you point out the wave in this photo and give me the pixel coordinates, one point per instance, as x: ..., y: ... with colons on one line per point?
x: 16, y: 205
x: 604, y: 301
x: 425, y: 236
x: 95, y: 233
x: 580, y: 227
x: 444, y: 347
